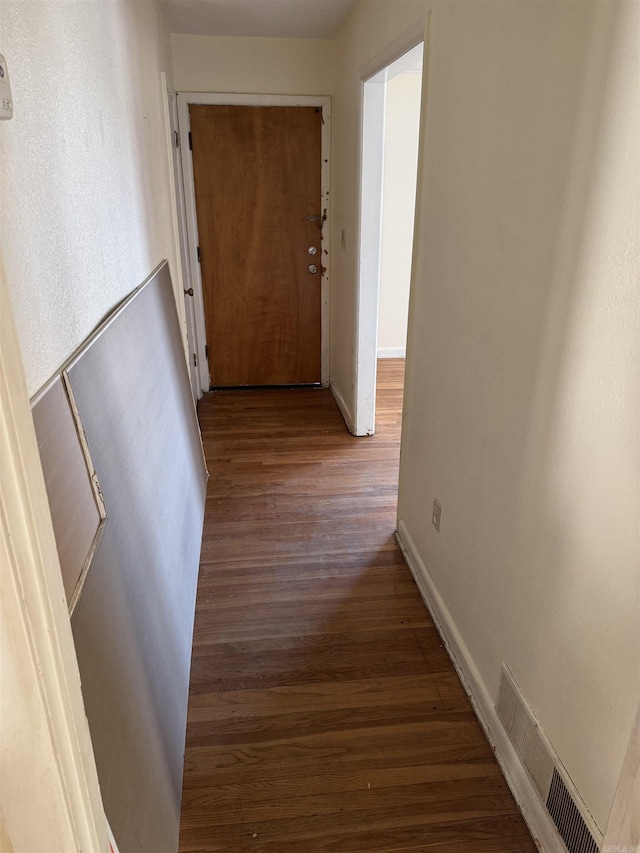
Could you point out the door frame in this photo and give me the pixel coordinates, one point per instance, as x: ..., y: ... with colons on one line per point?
x: 369, y: 226
x: 185, y: 99
x: 181, y: 283
x: 45, y: 734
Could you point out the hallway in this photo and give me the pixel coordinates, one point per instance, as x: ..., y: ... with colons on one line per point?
x: 324, y: 713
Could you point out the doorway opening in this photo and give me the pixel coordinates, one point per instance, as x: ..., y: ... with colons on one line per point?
x: 310, y: 264
x: 392, y: 99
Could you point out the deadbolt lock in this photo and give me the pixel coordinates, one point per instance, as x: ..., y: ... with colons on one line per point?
x: 313, y: 268
x: 312, y: 250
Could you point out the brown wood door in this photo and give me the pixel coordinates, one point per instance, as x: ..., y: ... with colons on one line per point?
x: 257, y: 179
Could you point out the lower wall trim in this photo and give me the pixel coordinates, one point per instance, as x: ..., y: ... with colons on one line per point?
x: 392, y: 352
x: 533, y: 811
x: 345, y: 410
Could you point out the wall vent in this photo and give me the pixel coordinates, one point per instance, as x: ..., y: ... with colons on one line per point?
x: 543, y: 766
x: 524, y: 734
x: 570, y: 823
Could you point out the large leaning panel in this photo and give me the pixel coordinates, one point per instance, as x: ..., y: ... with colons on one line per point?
x: 133, y: 623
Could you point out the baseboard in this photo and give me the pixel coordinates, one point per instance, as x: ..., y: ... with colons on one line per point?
x: 392, y: 352
x: 533, y: 811
x: 345, y: 410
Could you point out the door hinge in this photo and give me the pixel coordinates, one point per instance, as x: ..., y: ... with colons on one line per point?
x: 176, y: 138
x: 195, y: 360
x: 190, y: 142
x: 206, y: 350
x: 199, y: 256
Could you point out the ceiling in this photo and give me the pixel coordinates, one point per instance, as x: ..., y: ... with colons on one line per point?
x: 320, y: 19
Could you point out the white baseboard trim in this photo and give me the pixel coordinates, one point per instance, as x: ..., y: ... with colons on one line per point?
x: 345, y: 410
x: 392, y: 352
x: 526, y: 796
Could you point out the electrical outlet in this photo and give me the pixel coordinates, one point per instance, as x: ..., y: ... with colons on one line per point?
x: 437, y: 514
x: 6, y: 100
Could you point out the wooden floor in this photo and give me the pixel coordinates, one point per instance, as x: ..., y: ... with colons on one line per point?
x: 324, y: 712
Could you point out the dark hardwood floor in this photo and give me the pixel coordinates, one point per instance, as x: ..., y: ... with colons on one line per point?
x: 324, y: 715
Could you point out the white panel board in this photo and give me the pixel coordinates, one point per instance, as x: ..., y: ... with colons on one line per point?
x: 77, y: 510
x: 133, y: 623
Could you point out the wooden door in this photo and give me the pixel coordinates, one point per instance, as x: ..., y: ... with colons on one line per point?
x: 257, y: 182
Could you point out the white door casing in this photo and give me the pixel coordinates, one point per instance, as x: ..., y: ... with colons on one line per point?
x: 373, y: 80
x: 182, y: 284
x: 49, y: 786
x: 184, y: 100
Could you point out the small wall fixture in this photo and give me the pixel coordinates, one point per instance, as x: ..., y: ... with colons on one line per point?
x: 6, y: 101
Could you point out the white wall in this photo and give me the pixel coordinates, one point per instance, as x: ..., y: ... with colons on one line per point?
x: 84, y: 186
x: 254, y: 65
x: 522, y: 385
x: 402, y: 126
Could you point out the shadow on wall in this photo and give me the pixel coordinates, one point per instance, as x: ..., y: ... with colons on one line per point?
x: 581, y: 453
x: 520, y: 387
x: 580, y: 472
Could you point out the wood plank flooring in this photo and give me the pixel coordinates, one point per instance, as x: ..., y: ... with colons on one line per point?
x: 324, y: 715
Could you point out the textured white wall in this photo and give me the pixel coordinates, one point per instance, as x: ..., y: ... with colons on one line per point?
x: 84, y: 187
x: 522, y: 386
x: 254, y: 65
x: 402, y: 126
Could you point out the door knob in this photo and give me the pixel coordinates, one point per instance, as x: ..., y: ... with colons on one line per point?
x: 189, y: 292
x: 313, y: 268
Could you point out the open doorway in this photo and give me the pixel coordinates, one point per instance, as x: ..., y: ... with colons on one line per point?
x: 390, y: 141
